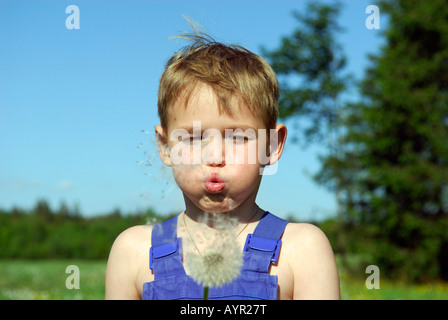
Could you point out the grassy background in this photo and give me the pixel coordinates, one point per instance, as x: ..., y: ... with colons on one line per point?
x: 45, y: 279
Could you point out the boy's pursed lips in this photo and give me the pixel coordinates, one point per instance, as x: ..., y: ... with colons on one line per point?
x: 214, y: 183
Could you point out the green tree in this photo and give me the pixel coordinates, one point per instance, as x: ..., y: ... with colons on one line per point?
x: 393, y: 171
x: 43, y: 210
x: 309, y: 64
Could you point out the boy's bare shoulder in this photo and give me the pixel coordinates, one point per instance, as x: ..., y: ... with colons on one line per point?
x: 311, y: 260
x: 128, y: 255
x: 306, y: 234
x: 132, y: 239
x: 305, y: 240
x: 130, y: 248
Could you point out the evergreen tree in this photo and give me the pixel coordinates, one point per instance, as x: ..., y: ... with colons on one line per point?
x: 393, y: 172
x: 309, y: 65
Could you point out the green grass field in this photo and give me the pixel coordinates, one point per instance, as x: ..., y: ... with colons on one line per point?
x: 45, y: 279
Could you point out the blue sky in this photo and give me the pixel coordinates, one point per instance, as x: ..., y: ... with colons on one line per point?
x: 78, y: 107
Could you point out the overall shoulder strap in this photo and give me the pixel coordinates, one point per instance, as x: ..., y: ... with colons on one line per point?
x: 164, y: 232
x: 270, y: 227
x: 263, y: 246
x: 165, y: 254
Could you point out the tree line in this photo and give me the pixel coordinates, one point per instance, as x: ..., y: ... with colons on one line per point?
x: 64, y: 233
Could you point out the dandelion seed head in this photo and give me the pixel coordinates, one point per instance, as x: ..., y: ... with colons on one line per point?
x: 221, y: 260
x: 212, y: 259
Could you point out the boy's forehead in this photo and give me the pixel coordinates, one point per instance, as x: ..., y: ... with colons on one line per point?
x: 201, y: 104
x: 200, y: 94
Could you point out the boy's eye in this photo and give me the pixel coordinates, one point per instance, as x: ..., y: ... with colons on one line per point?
x: 240, y: 139
x: 195, y: 138
x: 189, y: 139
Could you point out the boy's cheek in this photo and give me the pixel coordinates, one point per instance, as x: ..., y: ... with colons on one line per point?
x: 180, y: 153
x: 248, y: 153
x: 185, y: 173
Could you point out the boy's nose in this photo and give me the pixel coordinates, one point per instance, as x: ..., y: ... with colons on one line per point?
x: 215, y: 155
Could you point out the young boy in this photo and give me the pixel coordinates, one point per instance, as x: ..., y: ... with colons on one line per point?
x: 218, y: 110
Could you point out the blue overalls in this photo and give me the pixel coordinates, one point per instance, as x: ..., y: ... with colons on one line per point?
x: 254, y: 282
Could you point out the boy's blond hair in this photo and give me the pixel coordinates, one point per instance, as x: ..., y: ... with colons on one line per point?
x: 230, y: 71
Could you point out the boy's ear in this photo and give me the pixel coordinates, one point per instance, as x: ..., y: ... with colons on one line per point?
x: 162, y: 145
x: 277, y: 143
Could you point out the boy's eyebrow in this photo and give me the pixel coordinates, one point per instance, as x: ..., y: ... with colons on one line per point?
x: 242, y: 127
x: 189, y: 129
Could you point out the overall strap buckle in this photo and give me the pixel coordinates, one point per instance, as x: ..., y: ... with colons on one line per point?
x: 164, y: 250
x: 263, y: 245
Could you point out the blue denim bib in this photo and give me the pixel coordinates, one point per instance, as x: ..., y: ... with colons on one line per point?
x: 254, y: 282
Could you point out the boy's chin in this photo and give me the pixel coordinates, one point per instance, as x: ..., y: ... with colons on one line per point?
x: 216, y: 203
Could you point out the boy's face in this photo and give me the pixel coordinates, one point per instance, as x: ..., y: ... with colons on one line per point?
x: 215, y: 157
